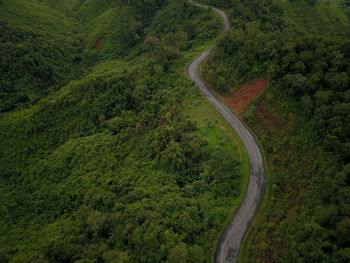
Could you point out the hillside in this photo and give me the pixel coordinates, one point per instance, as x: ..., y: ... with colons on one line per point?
x: 301, y: 119
x: 108, y: 152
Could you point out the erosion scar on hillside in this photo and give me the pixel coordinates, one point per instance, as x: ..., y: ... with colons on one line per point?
x: 228, y: 245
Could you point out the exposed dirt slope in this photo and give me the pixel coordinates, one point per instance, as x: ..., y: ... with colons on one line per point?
x: 238, y: 101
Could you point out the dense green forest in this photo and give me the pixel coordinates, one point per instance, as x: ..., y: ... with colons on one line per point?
x: 302, y: 121
x: 108, y: 151
x: 110, y: 154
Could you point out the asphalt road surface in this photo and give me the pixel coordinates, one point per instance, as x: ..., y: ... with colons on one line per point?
x: 228, y: 246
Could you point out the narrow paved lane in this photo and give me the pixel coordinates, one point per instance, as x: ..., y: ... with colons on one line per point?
x: 228, y: 246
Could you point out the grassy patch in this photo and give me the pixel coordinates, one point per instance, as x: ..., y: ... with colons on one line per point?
x: 217, y: 131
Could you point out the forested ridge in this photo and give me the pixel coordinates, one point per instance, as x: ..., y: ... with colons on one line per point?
x: 108, y: 152
x: 302, y: 120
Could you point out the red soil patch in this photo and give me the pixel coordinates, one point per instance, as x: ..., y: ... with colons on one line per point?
x: 267, y: 120
x: 99, y: 43
x: 239, y: 100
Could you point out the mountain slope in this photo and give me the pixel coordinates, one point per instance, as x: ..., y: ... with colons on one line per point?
x: 302, y: 47
x: 115, y: 162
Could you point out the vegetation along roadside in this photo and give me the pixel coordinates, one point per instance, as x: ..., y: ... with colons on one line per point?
x: 301, y: 119
x: 101, y: 158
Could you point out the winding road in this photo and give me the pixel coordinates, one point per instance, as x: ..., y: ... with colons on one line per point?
x: 228, y: 245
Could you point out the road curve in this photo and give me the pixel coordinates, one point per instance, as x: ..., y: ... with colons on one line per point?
x: 228, y: 245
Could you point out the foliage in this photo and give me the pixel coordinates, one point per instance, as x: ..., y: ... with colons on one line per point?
x: 302, y: 121
x: 100, y: 164
x: 32, y: 56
